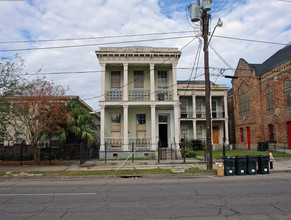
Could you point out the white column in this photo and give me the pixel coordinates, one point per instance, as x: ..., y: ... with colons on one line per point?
x: 194, y: 129
x: 174, y: 73
x: 102, y: 130
x: 225, y: 106
x: 125, y: 127
x: 226, y: 132
x: 125, y: 82
x: 210, y: 103
x: 153, y: 127
x: 176, y: 125
x: 194, y: 105
x: 103, y: 69
x: 152, y: 81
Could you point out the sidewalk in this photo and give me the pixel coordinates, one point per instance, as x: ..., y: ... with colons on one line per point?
x: 177, y: 166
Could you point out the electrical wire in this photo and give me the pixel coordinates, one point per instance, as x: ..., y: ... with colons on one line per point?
x: 94, y: 38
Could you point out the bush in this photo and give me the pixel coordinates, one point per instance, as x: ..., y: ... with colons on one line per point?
x: 25, y: 157
x: 191, y: 147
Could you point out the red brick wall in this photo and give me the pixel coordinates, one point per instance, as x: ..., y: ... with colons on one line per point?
x: 259, y: 120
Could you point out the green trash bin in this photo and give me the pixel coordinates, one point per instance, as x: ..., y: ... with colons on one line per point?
x: 263, y: 164
x: 241, y: 165
x: 252, y: 164
x: 229, y: 165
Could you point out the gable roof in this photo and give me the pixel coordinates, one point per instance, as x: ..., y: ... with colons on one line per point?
x: 275, y: 60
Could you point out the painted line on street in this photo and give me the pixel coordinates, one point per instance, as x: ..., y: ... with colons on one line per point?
x: 48, y: 194
x: 212, y: 177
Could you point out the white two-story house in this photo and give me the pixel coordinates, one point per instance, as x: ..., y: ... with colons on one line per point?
x: 192, y: 116
x: 139, y: 101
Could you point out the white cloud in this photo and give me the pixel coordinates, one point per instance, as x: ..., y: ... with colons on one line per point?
x: 267, y: 20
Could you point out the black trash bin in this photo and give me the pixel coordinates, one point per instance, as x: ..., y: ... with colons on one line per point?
x: 229, y: 165
x: 252, y: 164
x: 241, y: 165
x: 263, y: 164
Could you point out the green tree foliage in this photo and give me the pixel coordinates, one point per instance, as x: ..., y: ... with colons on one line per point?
x: 79, y: 127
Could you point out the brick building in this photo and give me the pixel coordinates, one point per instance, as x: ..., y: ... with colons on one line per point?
x: 262, y: 101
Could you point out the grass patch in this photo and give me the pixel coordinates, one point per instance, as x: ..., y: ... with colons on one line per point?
x: 102, y: 172
x: 217, y: 154
x: 197, y: 170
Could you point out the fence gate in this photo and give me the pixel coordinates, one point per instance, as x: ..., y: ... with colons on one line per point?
x: 84, y: 153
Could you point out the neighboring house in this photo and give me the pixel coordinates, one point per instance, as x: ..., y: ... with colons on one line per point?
x: 15, y: 138
x: 262, y: 101
x: 193, y: 114
x: 139, y: 101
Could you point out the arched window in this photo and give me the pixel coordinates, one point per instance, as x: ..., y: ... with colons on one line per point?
x: 271, y: 133
x: 242, y: 139
x: 243, y: 101
x: 269, y: 100
x: 287, y: 91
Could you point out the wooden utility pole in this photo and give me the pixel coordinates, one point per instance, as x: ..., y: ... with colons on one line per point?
x: 205, y: 31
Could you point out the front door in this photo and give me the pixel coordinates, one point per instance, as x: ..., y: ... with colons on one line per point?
x: 289, y: 134
x: 249, y: 137
x: 163, y: 134
x: 215, y: 135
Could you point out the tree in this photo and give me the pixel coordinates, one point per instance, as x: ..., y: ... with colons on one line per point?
x: 79, y: 127
x: 12, y: 82
x: 38, y: 112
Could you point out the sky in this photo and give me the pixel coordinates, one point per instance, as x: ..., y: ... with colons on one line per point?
x: 60, y: 37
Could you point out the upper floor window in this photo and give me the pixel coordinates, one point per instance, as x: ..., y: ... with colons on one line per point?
x: 115, y: 79
x: 138, y: 79
x: 162, y: 79
x: 287, y: 91
x: 269, y: 100
x: 244, y: 101
x: 271, y: 133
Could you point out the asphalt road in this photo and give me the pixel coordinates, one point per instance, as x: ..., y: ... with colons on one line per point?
x: 246, y: 197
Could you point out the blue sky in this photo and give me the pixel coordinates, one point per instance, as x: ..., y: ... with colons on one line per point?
x: 265, y: 20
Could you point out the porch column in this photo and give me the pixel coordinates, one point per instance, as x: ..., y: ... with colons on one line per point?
x: 103, y: 69
x: 153, y: 127
x: 225, y: 106
x: 125, y: 82
x: 194, y: 130
x: 176, y: 125
x: 174, y: 73
x: 152, y: 81
x: 102, y: 130
x: 125, y: 127
x: 194, y: 105
x: 226, y: 131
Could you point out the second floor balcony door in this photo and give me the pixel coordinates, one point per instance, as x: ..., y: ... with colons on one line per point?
x: 162, y: 86
x: 138, y: 85
x: 115, y: 93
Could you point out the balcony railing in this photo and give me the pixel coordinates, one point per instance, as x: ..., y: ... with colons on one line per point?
x: 139, y: 95
x: 185, y: 114
x: 113, y: 143
x: 164, y: 95
x: 218, y: 114
x: 200, y: 114
x: 140, y: 143
x: 113, y: 95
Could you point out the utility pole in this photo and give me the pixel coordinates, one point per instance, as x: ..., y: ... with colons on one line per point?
x: 205, y: 31
x: 199, y: 13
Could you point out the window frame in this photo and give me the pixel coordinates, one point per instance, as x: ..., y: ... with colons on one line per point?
x: 269, y: 100
x: 113, y: 84
x: 243, y: 101
x: 287, y: 92
x: 271, y: 133
x: 242, y: 138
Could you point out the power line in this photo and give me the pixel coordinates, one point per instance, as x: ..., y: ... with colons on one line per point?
x: 135, y: 41
x: 98, y: 44
x: 250, y: 40
x: 94, y: 38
